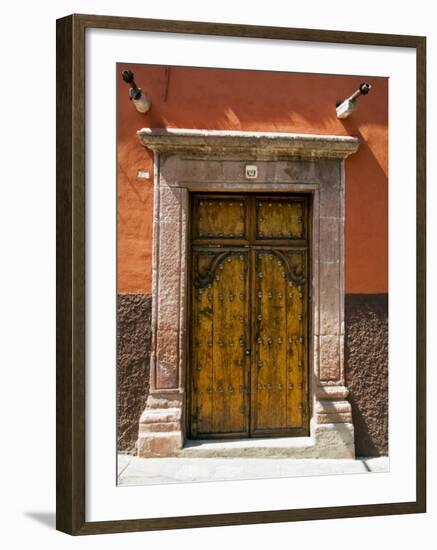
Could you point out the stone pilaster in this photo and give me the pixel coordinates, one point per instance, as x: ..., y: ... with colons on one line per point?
x: 332, y: 410
x: 161, y: 429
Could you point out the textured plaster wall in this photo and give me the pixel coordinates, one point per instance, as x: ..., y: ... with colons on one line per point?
x: 133, y: 358
x: 366, y: 370
x: 255, y: 101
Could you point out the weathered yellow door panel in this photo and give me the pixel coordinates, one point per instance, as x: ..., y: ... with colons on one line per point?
x: 279, y: 385
x: 249, y: 316
x: 220, y: 336
x: 297, y: 339
x: 269, y: 388
x: 277, y: 218
x: 220, y: 217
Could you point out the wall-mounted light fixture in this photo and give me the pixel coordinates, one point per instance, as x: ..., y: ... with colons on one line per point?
x: 141, y: 101
x: 348, y: 106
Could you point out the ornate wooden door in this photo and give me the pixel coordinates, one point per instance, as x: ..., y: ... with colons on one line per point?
x: 248, y: 367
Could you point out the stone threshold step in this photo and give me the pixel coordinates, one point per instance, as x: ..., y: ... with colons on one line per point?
x: 278, y: 447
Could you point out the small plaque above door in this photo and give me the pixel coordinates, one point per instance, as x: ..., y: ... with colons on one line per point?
x: 220, y: 218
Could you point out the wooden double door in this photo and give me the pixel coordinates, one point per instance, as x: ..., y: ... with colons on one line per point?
x: 248, y: 362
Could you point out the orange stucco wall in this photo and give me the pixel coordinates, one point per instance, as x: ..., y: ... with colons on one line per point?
x: 222, y: 99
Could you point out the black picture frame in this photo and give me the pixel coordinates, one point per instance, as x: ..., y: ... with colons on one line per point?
x: 70, y: 257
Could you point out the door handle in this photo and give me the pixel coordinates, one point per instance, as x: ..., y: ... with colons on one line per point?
x: 247, y: 352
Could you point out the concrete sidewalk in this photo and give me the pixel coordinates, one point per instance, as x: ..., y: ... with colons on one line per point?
x: 150, y: 471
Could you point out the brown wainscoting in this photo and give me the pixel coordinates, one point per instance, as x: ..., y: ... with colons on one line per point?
x: 366, y: 370
x: 133, y: 363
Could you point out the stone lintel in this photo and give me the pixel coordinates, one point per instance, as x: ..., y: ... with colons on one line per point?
x: 259, y: 145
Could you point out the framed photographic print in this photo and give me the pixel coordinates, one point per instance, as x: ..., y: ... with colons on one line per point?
x: 240, y: 274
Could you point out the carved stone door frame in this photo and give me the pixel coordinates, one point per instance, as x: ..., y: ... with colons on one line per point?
x: 213, y: 161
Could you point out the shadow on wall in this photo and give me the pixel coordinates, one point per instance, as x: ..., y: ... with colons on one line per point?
x: 189, y: 97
